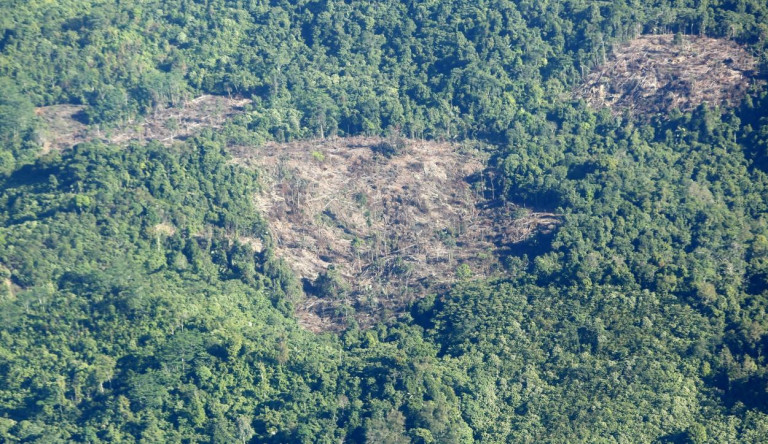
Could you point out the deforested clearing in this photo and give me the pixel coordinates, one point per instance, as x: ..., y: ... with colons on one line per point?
x: 62, y: 126
x: 654, y: 74
x: 370, y: 224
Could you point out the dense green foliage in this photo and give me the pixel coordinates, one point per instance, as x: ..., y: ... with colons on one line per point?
x: 440, y: 69
x: 133, y: 307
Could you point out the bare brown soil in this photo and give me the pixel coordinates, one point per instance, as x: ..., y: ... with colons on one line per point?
x: 61, y: 127
x: 389, y: 229
x: 653, y: 74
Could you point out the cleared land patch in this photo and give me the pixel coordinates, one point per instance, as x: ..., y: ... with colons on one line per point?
x: 370, y: 224
x: 654, y: 74
x: 62, y: 127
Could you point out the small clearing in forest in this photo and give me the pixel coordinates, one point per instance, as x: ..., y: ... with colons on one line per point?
x: 371, y: 224
x: 62, y: 125
x: 654, y: 74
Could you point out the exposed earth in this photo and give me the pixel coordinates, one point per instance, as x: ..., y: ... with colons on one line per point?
x: 369, y: 231
x: 654, y: 74
x: 62, y: 127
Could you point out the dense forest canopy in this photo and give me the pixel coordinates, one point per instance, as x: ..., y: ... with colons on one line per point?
x: 136, y: 309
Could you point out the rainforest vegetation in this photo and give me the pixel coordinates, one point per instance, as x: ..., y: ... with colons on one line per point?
x: 132, y: 309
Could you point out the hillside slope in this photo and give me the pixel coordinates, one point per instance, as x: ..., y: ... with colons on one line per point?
x: 265, y: 276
